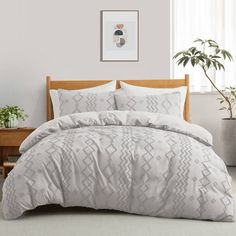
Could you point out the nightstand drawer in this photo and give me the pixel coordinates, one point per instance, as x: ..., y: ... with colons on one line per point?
x: 14, y: 137
x: 11, y: 139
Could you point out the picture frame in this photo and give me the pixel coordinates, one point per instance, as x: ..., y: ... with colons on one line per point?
x: 120, y: 35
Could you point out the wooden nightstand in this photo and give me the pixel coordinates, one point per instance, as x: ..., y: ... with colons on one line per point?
x: 10, y: 141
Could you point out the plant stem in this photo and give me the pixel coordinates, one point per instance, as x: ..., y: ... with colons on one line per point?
x: 221, y: 93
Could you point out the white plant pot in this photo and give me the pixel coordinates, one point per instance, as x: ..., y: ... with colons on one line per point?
x: 228, y: 138
x: 12, y: 123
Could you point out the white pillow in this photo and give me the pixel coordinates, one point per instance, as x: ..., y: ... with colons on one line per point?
x: 108, y: 87
x: 72, y: 101
x: 168, y: 103
x: 139, y: 91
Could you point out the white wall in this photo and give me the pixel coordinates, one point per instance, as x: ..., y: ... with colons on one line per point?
x: 204, y: 111
x: 62, y: 38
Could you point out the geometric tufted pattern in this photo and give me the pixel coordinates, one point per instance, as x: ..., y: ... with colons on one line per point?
x: 136, y: 169
x: 72, y: 101
x: 162, y: 103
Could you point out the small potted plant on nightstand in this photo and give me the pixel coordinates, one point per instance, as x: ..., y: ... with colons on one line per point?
x: 208, y: 55
x: 10, y: 115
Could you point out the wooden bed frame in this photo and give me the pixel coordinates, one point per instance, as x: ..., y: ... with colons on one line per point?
x: 81, y: 84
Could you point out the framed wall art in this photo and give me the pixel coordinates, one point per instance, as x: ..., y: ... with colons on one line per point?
x: 119, y: 35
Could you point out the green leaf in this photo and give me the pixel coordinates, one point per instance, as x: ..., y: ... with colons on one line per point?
x: 201, y: 58
x: 214, y: 64
x: 208, y: 63
x: 192, y: 50
x: 230, y: 57
x: 213, y: 45
x: 198, y: 40
x: 197, y: 53
x: 180, y: 60
x: 212, y: 41
x: 217, y: 50
x: 216, y: 57
x: 193, y: 61
x: 186, y: 53
x: 223, y: 54
x: 226, y: 55
x: 178, y: 54
x: 186, y: 61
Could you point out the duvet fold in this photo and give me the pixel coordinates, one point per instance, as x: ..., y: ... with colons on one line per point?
x: 118, y: 118
x: 137, y: 162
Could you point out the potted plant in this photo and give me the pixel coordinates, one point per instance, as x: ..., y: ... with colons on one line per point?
x: 208, y: 55
x: 10, y: 115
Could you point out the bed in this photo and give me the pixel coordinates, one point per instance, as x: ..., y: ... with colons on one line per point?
x: 123, y: 151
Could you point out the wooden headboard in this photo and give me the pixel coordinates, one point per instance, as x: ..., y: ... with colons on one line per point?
x: 81, y: 84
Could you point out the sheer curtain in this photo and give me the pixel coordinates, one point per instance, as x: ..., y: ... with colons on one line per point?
x: 206, y: 19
